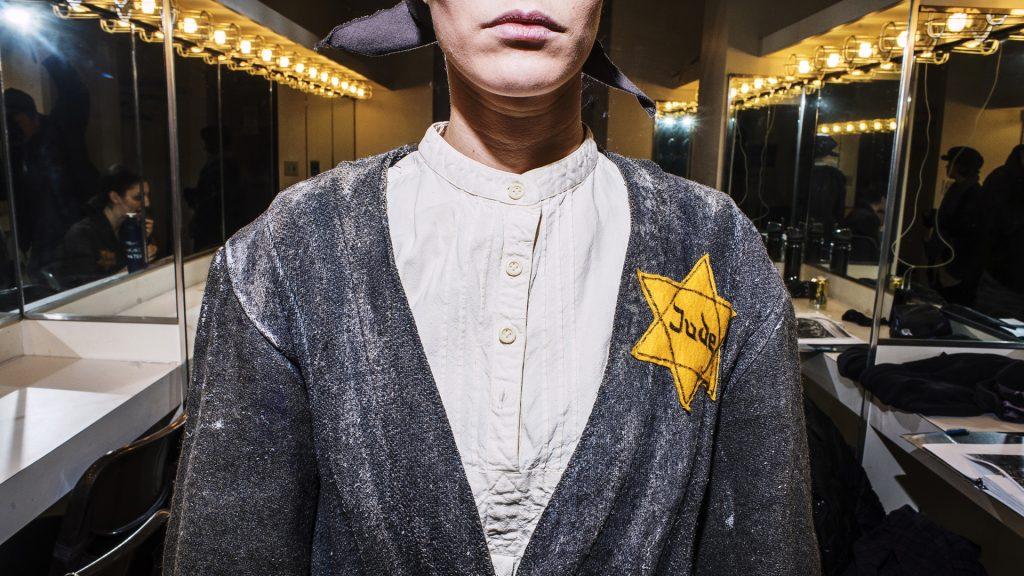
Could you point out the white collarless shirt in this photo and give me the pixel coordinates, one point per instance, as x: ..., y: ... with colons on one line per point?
x: 512, y: 280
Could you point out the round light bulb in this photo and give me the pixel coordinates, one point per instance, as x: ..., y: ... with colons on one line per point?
x: 266, y: 54
x: 245, y: 46
x: 865, y: 50
x: 892, y: 124
x: 833, y: 60
x: 189, y: 25
x: 758, y: 83
x: 324, y: 76
x: 863, y: 126
x: 312, y: 71
x: 300, y: 67
x: 344, y: 85
x: 335, y: 81
x: 957, y: 22
x: 823, y: 130
x: 220, y: 37
x: 361, y: 92
x: 901, y: 40
x: 803, y: 66
x: 148, y: 6
x: 744, y: 88
x: 849, y: 127
x: 877, y: 125
x: 284, y: 61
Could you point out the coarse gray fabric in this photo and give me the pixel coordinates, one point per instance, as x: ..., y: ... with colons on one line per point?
x: 318, y: 443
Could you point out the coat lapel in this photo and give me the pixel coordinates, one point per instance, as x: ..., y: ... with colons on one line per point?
x: 402, y: 477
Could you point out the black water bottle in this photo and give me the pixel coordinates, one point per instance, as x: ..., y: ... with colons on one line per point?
x: 775, y: 241
x: 842, y: 244
x: 794, y: 254
x: 133, y: 234
x: 815, y: 243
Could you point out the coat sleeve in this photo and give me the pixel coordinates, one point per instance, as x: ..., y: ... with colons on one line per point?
x: 757, y: 517
x: 246, y: 490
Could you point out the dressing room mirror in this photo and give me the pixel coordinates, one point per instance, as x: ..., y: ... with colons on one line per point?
x: 959, y: 238
x: 847, y: 172
x: 761, y: 154
x: 83, y: 106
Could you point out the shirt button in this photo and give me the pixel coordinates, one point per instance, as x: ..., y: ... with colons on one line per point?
x: 513, y: 268
x: 516, y: 190
x: 507, y: 335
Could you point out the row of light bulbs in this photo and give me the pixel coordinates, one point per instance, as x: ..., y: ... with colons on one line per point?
x: 220, y: 43
x: 865, y: 58
x: 666, y: 107
x: 859, y: 127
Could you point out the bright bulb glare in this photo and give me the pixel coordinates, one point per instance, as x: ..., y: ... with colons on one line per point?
x: 877, y: 125
x: 957, y: 22
x: 300, y: 67
x: 266, y: 54
x: 361, y: 92
x: 148, y: 7
x: 833, y: 60
x: 324, y: 76
x: 335, y: 81
x: 758, y: 83
x: 284, y: 62
x: 687, y: 121
x: 865, y: 50
x: 245, y: 46
x: 803, y: 67
x: 901, y: 40
x: 189, y: 25
x: 744, y: 88
x: 220, y: 37
x: 19, y: 18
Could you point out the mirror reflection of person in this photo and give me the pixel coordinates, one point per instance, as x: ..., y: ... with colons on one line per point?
x: 827, y: 192
x: 957, y: 227
x: 1001, y: 289
x: 219, y: 175
x: 93, y: 248
x: 51, y: 170
x: 865, y: 223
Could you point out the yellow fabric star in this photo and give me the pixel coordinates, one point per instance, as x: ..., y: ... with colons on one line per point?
x: 690, y: 323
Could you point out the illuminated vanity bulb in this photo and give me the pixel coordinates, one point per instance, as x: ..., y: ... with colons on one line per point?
x: 300, y: 67
x: 957, y: 22
x: 189, y: 25
x: 312, y: 71
x: 901, y: 40
x: 245, y: 46
x: 824, y: 129
x: 220, y: 37
x: 892, y: 124
x: 886, y: 65
x: 850, y: 127
x: 284, y: 61
x: 324, y: 76
x: 803, y: 66
x: 863, y: 126
x: 361, y: 92
x: 877, y: 125
x: 732, y: 93
x: 758, y: 83
x: 266, y: 54
x: 744, y: 88
x: 148, y: 6
x: 833, y: 60
x: 865, y: 50
x: 344, y: 85
x: 335, y: 81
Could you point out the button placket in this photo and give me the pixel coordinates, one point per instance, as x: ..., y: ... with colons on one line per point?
x: 509, y: 325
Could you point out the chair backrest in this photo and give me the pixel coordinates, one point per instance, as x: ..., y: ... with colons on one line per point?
x: 139, y: 554
x: 115, y: 496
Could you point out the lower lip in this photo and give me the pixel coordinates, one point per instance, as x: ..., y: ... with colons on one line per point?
x: 529, y: 33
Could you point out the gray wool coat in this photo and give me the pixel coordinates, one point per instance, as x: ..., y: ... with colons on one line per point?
x: 318, y: 444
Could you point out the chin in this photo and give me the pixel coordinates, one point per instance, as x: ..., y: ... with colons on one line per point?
x: 522, y: 74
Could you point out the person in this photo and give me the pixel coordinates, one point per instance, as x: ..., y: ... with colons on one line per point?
x: 956, y: 242
x: 93, y: 248
x: 1001, y: 288
x: 51, y: 172
x: 827, y: 201
x: 502, y: 351
x: 865, y: 223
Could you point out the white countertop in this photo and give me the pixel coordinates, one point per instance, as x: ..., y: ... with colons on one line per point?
x: 59, y: 414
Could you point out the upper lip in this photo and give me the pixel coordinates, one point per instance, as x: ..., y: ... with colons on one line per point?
x: 533, y: 17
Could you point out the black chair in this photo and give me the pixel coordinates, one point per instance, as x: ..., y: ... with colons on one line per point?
x: 139, y: 554
x: 117, y: 495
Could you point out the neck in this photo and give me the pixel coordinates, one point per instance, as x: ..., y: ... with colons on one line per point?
x: 113, y: 217
x: 514, y: 134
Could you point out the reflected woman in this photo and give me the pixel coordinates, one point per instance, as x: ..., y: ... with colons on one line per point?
x: 501, y: 351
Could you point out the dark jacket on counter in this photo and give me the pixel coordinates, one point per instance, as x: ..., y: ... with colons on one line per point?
x: 318, y: 443
x: 91, y: 251
x: 1004, y: 197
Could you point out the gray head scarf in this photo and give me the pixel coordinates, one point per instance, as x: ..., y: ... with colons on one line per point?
x: 407, y: 26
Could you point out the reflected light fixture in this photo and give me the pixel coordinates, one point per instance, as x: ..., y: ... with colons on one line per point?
x: 19, y: 18
x: 957, y: 22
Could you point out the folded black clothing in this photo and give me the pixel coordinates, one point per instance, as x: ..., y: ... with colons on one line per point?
x: 944, y: 385
x: 1003, y: 394
x: 861, y: 319
x: 853, y: 361
x: 909, y: 544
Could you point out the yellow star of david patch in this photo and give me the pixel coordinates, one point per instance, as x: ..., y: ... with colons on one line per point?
x: 690, y: 323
